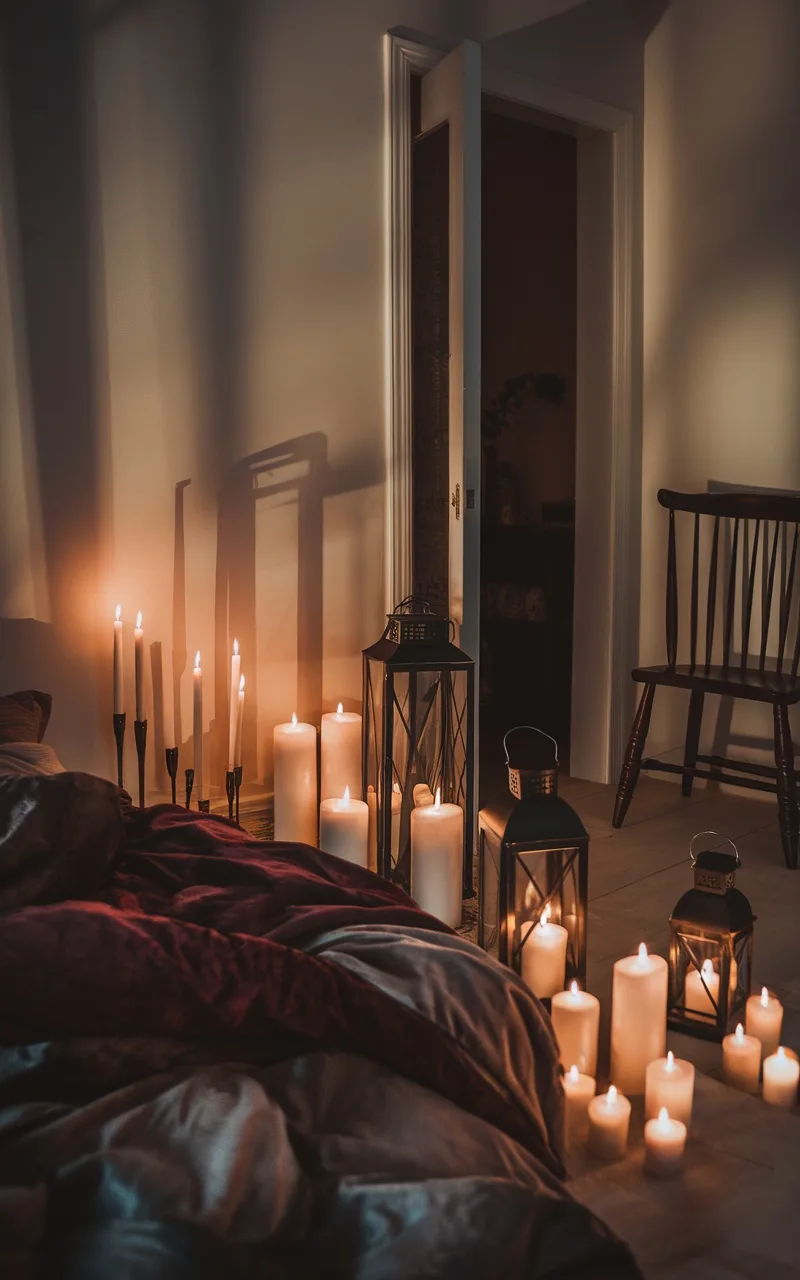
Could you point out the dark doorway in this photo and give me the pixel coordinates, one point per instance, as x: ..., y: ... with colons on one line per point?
x: 529, y: 360
x: 528, y: 427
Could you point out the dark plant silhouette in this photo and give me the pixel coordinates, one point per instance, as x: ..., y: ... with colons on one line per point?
x: 498, y: 414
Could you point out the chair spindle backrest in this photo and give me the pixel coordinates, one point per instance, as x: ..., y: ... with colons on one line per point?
x: 750, y: 538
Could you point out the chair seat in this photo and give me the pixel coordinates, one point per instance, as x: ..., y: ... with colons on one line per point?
x: 759, y: 686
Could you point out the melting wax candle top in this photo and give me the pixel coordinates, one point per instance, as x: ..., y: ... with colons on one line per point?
x: 573, y: 1074
x: 611, y: 1096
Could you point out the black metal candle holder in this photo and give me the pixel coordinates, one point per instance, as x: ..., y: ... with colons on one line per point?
x: 140, y: 734
x: 189, y: 786
x: 230, y: 791
x: 204, y: 805
x: 119, y: 735
x: 237, y: 783
x: 171, y: 754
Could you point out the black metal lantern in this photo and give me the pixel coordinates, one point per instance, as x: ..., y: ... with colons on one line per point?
x: 710, y: 948
x: 418, y: 733
x: 533, y: 862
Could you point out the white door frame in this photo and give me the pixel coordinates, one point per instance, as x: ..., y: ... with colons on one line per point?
x: 605, y: 627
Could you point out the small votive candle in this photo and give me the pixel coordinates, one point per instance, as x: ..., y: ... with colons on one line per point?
x: 669, y: 1083
x: 781, y: 1074
x: 579, y: 1090
x: 664, y: 1145
x: 609, y: 1122
x: 741, y: 1060
x: 576, y: 1017
x: 764, y: 1020
x: 702, y: 990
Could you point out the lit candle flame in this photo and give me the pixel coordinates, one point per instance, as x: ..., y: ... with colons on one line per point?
x: 764, y: 998
x: 139, y: 620
x: 642, y: 955
x: 236, y: 648
x: 781, y: 1051
x: 573, y: 988
x: 611, y: 1096
x: 196, y: 658
x: 545, y: 916
x: 670, y: 1061
x: 346, y: 796
x: 339, y: 709
x: 663, y: 1117
x: 739, y: 1034
x: 707, y: 969
x: 294, y: 719
x: 241, y: 684
x: 574, y: 1075
x: 118, y: 614
x: 438, y: 801
x: 396, y: 788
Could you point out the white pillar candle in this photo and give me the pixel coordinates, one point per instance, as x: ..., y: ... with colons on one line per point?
x: 764, y: 1020
x: 664, y: 1145
x: 579, y: 1089
x: 638, y: 1018
x: 197, y: 725
x: 138, y: 663
x: 741, y: 1060
x: 295, y: 747
x: 609, y: 1122
x: 669, y: 1083
x: 422, y: 794
x: 576, y: 1017
x: 437, y: 853
x: 233, y: 703
x: 702, y: 990
x: 544, y: 956
x: 344, y: 829
x: 340, y: 754
x: 781, y: 1074
x: 119, y: 694
x: 237, y: 746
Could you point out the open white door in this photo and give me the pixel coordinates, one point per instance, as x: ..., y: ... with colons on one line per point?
x: 451, y: 95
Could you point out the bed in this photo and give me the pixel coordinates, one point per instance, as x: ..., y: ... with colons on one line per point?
x: 220, y: 1057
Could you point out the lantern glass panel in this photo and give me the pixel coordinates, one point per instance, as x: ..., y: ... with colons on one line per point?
x: 417, y: 732
x: 547, y: 879
x: 707, y: 1004
x: 489, y: 916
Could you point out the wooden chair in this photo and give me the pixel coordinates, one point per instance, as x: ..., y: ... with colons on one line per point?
x: 762, y: 561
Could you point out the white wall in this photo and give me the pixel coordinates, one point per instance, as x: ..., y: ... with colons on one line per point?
x: 722, y: 289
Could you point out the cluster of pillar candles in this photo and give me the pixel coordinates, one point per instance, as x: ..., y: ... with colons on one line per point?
x: 347, y: 823
x: 640, y: 1063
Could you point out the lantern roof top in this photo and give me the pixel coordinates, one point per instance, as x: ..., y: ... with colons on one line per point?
x: 539, y: 820
x: 412, y: 654
x: 728, y: 912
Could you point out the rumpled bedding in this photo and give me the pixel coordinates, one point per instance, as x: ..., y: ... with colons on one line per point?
x: 228, y: 1059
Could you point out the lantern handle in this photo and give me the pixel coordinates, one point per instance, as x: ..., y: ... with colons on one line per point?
x: 533, y: 729
x: 725, y: 840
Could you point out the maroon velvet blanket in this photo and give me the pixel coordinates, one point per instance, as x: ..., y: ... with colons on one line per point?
x: 193, y: 929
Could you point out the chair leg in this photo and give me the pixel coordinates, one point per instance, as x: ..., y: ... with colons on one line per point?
x: 693, y: 724
x: 633, y: 755
x: 788, y: 816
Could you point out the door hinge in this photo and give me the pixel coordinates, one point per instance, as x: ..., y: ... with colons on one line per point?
x: 455, y: 501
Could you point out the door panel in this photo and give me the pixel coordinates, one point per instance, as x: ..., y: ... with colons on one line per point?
x: 451, y: 93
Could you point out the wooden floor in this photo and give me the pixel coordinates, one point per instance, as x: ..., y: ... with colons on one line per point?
x: 734, y: 1211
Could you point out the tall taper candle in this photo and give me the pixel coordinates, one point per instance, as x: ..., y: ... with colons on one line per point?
x: 119, y: 694
x: 237, y: 748
x: 233, y: 703
x: 197, y: 705
x: 138, y: 662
